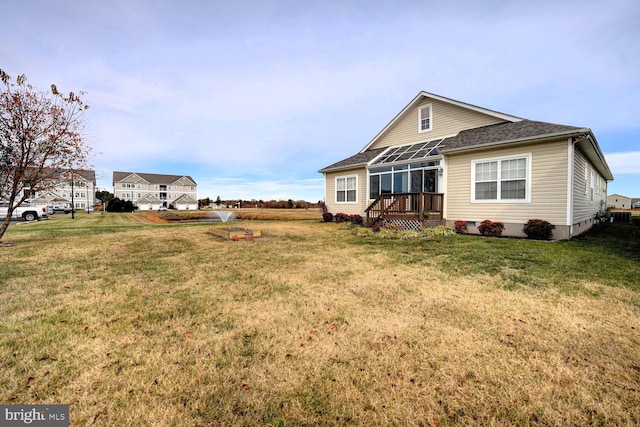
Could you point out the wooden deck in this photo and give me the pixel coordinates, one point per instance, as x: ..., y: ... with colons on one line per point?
x: 416, y: 208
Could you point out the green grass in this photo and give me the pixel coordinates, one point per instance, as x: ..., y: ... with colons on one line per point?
x: 139, y: 323
x: 608, y: 254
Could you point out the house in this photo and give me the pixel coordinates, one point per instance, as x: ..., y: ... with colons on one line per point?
x: 618, y: 201
x: 150, y: 191
x: 75, y: 188
x: 445, y: 160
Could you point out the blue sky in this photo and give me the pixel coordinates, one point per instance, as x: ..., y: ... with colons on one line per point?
x: 251, y: 98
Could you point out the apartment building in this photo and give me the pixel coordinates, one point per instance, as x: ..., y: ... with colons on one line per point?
x: 75, y: 188
x: 150, y: 191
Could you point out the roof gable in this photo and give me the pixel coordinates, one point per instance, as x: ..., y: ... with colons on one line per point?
x: 127, y: 177
x: 498, y: 129
x: 153, y: 178
x: 449, y: 118
x: 185, y: 199
x: 149, y: 198
x: 184, y: 180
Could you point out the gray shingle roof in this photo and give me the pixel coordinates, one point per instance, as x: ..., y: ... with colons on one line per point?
x: 487, y: 135
x: 151, y: 178
x: 360, y: 159
x: 505, y: 132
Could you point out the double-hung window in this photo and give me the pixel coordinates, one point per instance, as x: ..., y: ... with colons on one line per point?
x: 346, y: 189
x: 501, y: 180
x: 424, y: 118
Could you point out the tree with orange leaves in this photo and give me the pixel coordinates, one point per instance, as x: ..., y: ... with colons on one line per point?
x: 40, y: 135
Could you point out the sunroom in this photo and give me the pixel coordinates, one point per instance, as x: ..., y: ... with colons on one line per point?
x: 405, y: 185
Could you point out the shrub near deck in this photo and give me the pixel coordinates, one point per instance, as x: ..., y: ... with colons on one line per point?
x: 316, y: 326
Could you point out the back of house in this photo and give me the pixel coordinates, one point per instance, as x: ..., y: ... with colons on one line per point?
x: 452, y: 161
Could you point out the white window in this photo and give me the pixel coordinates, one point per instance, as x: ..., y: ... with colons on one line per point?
x: 586, y: 178
x: 424, y: 118
x: 499, y: 180
x: 346, y: 189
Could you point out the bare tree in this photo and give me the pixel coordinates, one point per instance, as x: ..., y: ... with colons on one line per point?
x: 40, y: 135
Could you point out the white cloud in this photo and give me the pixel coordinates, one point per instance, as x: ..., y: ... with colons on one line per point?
x: 310, y: 190
x: 624, y: 163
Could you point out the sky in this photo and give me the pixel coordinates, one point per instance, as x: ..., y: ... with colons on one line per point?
x: 252, y: 98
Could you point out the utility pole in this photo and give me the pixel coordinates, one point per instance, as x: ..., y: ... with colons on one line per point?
x: 73, y: 205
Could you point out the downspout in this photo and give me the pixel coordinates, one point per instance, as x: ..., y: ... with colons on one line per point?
x: 442, y: 185
x: 571, y: 143
x: 571, y: 179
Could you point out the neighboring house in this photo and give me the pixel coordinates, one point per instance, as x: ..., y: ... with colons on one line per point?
x: 150, y: 191
x: 447, y: 160
x: 617, y: 201
x: 71, y: 188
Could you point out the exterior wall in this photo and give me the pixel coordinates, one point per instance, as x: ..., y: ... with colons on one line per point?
x: 548, y: 198
x: 84, y: 192
x: 447, y: 120
x: 585, y: 207
x: 136, y: 188
x: 617, y: 201
x: 361, y: 194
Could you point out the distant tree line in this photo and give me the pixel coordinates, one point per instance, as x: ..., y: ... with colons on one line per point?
x: 253, y: 203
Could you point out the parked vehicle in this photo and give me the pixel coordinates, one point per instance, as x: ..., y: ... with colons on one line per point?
x: 61, y: 209
x: 25, y: 211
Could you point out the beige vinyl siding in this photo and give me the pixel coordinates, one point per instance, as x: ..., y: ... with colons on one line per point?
x: 617, y: 201
x: 583, y: 208
x: 548, y: 186
x: 361, y: 195
x: 447, y: 120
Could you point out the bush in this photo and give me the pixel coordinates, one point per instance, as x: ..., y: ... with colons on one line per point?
x: 327, y: 217
x: 356, y: 219
x: 538, y: 229
x: 460, y: 227
x: 343, y: 217
x: 491, y: 229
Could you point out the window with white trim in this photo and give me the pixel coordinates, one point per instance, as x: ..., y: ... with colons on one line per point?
x: 499, y: 180
x: 424, y: 118
x: 346, y: 189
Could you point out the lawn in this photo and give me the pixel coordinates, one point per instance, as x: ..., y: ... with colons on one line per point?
x: 132, y: 321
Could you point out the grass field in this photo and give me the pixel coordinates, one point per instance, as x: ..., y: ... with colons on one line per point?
x: 131, y: 321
